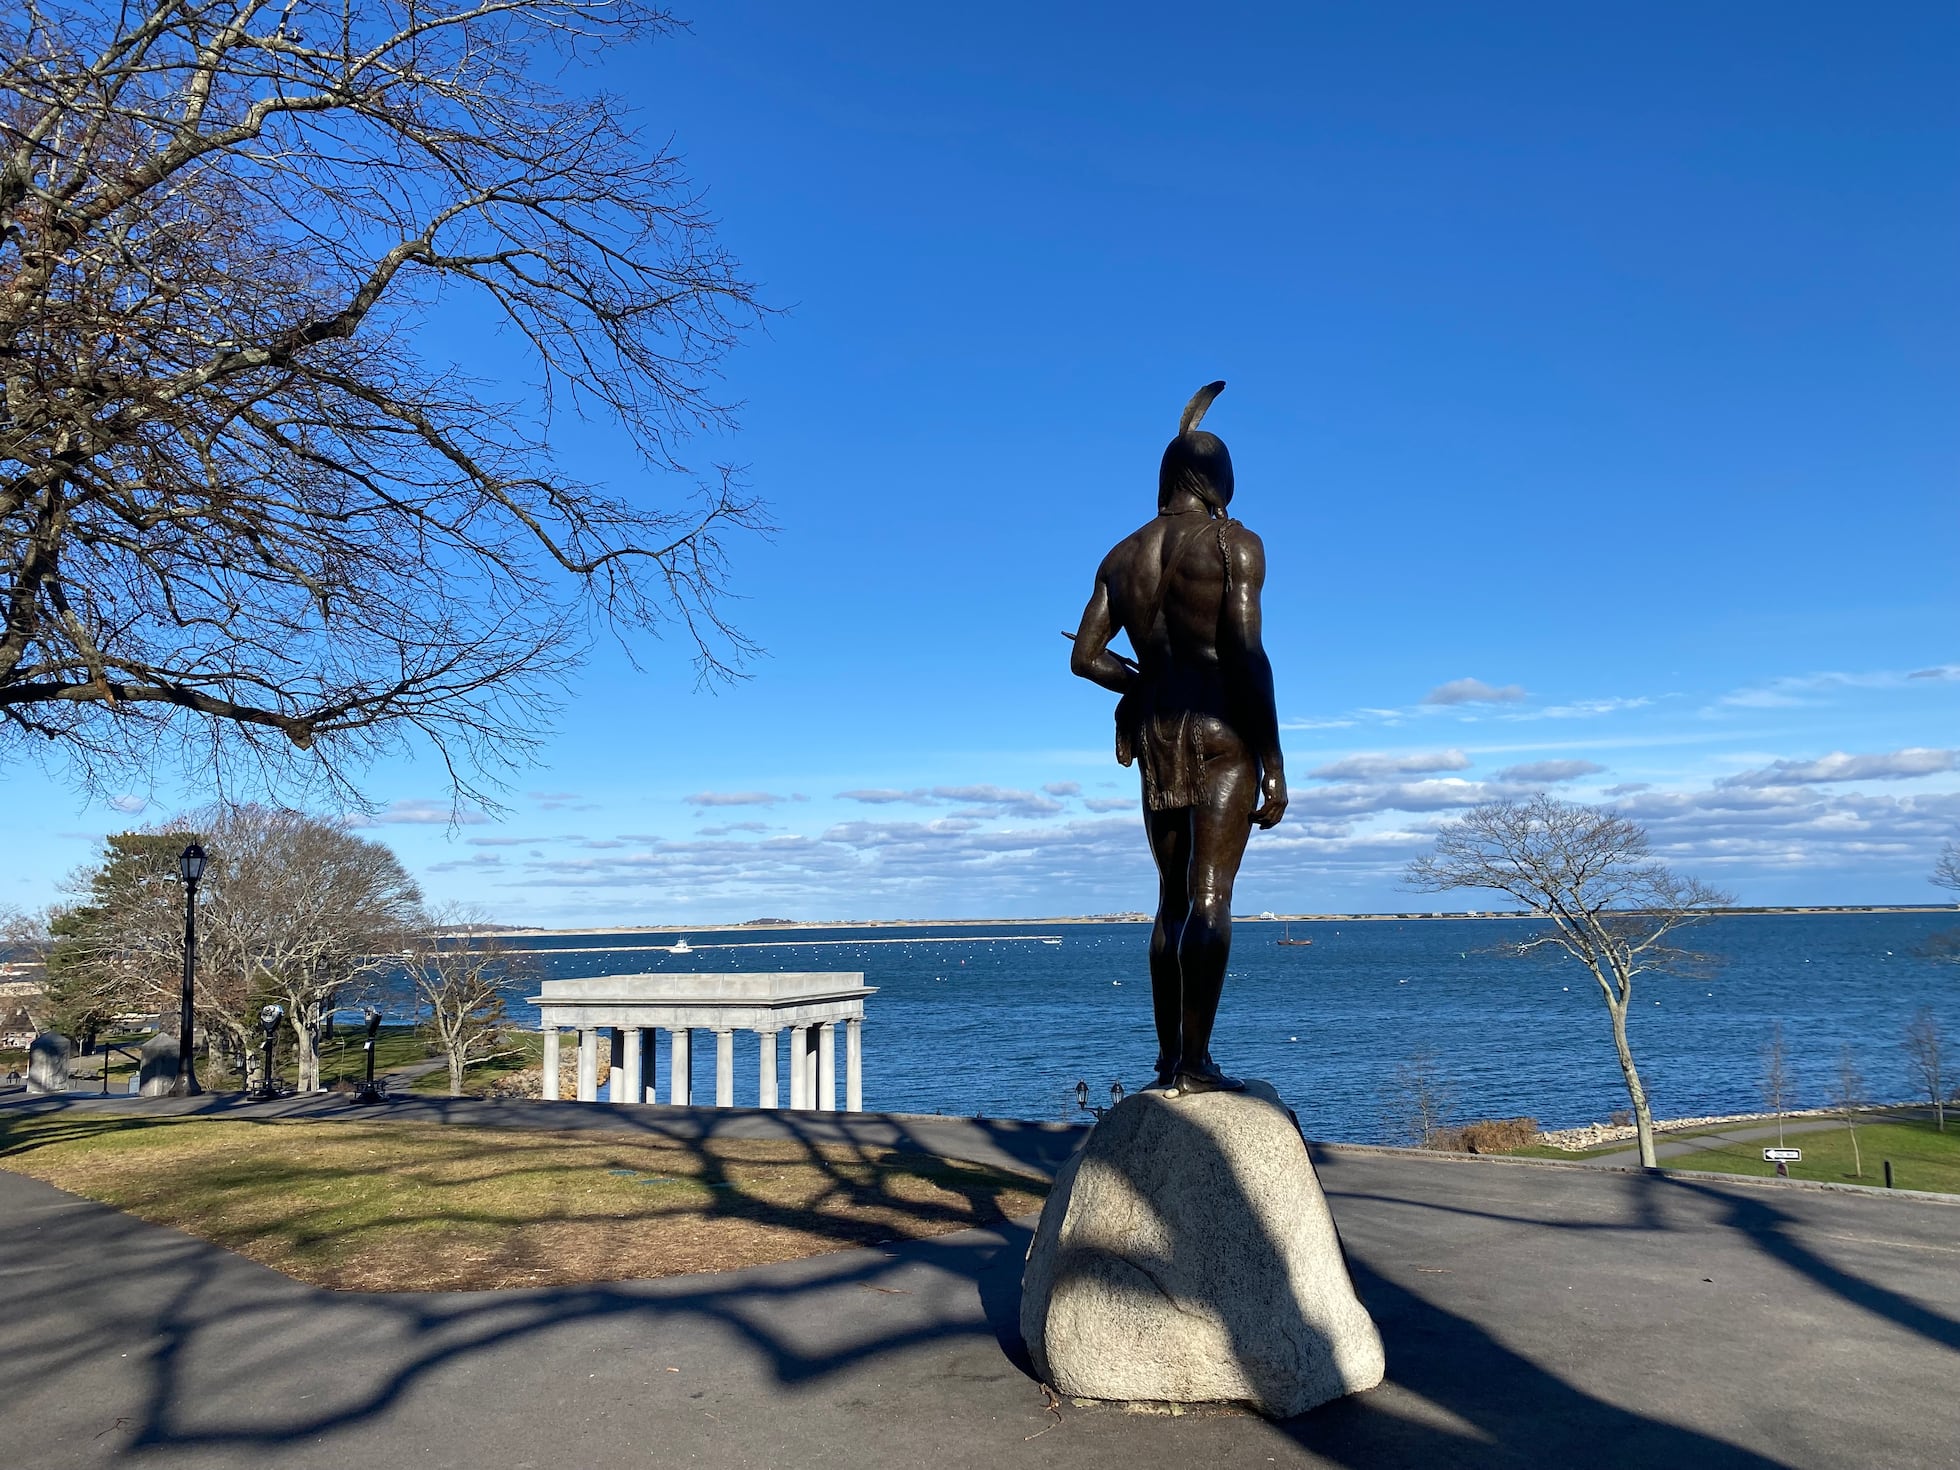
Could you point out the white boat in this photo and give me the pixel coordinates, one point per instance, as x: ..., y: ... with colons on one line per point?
x: 1051, y: 941
x: 681, y: 946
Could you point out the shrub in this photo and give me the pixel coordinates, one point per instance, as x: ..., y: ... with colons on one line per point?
x: 1485, y: 1136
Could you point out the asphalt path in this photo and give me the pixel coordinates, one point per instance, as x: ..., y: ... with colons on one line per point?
x: 1534, y: 1315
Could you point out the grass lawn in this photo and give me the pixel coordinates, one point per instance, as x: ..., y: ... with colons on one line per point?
x: 342, y: 1057
x: 422, y: 1207
x: 1922, y: 1156
x: 527, y: 1050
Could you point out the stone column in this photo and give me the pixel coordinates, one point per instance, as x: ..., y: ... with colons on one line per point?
x: 616, y: 1060
x: 551, y: 1064
x: 724, y: 1069
x: 588, y: 1064
x: 649, y: 1088
x: 765, y: 1092
x: 827, y: 1067
x: 854, y: 1065
x: 626, y: 1080
x: 799, y: 1078
x: 679, y: 1074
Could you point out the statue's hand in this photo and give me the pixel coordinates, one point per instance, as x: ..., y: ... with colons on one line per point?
x: 1272, y: 801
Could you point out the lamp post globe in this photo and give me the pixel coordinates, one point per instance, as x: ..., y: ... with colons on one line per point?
x: 190, y: 868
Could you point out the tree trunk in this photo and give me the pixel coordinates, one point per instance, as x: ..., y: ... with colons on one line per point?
x: 1643, y: 1117
x: 306, y: 1069
x: 456, y: 1073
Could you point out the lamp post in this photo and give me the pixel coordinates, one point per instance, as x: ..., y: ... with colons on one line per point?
x: 190, y: 867
x: 269, y: 1017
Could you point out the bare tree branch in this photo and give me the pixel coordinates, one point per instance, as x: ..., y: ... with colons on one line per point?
x: 1610, y: 905
x: 237, y: 500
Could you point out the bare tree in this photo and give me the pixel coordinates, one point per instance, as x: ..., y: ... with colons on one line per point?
x: 246, y: 520
x: 1417, y: 1099
x: 1945, y: 945
x: 301, y: 911
x: 1925, y: 1048
x: 1778, y: 1079
x: 1611, y: 906
x: 464, y: 977
x: 1847, y: 1097
x: 1946, y: 870
x: 292, y: 908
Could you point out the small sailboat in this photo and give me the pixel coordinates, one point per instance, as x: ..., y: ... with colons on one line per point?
x: 681, y: 946
x: 1051, y: 941
x: 1286, y: 937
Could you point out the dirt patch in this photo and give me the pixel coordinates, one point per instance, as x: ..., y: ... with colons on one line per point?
x: 425, y: 1207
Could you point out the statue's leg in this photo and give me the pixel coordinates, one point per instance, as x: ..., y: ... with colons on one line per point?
x: 1170, y: 845
x: 1220, y: 825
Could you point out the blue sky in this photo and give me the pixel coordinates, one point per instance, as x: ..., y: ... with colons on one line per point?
x: 1592, y: 383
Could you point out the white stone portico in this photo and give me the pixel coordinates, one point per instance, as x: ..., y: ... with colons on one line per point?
x: 809, y: 1005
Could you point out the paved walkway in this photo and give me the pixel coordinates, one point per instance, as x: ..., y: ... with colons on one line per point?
x: 1535, y: 1315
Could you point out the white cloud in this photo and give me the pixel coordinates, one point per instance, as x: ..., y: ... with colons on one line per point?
x: 1810, y: 689
x: 1371, y: 766
x: 1063, y: 788
x: 732, y: 798
x: 421, y: 811
x: 1000, y: 800
x: 1473, y: 691
x: 1549, y: 771
x: 130, y: 804
x: 1359, y: 799
x: 885, y: 796
x: 1897, y: 765
x: 1585, y: 709
x: 1109, y: 803
x: 723, y: 831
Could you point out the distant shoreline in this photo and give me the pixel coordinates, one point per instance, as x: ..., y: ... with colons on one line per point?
x: 1137, y: 918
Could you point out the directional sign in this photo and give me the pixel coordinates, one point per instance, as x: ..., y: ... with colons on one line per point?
x: 1782, y: 1155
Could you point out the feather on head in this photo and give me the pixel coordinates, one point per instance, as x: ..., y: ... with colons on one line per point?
x: 1194, y: 411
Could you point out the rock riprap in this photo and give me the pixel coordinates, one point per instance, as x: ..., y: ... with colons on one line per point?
x: 1186, y: 1255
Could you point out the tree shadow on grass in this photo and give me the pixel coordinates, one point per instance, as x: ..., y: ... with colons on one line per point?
x: 473, y: 1208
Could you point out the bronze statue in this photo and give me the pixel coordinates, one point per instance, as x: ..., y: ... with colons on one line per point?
x: 1197, y: 717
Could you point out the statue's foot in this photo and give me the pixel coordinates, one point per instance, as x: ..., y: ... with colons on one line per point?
x: 1205, y: 1078
x: 1165, y: 1076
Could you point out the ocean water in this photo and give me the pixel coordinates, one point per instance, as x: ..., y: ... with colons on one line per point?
x: 977, y: 1020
